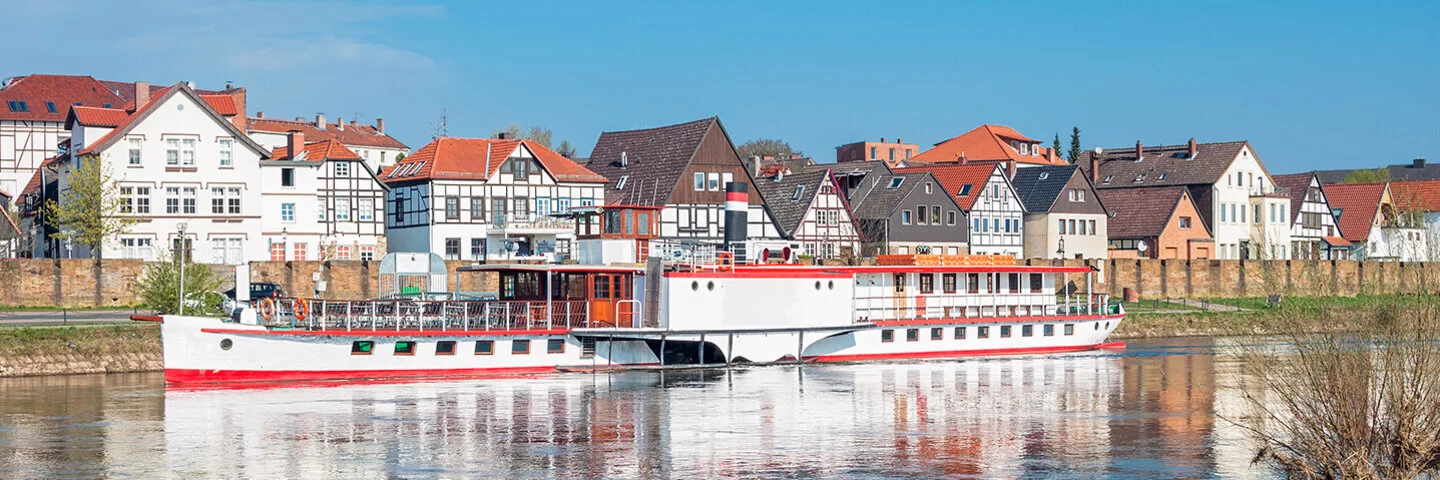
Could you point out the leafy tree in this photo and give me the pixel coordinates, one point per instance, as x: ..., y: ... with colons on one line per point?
x: 399, y: 157
x: 1368, y: 176
x: 1074, y: 155
x: 1055, y: 147
x: 767, y: 146
x: 89, y: 212
x: 538, y: 135
x: 160, y: 288
x: 566, y: 149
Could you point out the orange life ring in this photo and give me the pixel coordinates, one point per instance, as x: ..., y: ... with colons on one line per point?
x: 726, y: 260
x: 267, y: 308
x: 301, y: 307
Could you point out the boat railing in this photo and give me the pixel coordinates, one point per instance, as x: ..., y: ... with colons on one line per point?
x: 966, y: 306
x: 685, y: 254
x: 431, y: 315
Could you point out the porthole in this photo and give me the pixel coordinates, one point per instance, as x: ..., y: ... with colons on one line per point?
x: 1107, y: 325
x: 832, y: 284
x: 225, y: 344
x: 710, y: 285
x: 1097, y: 326
x: 695, y: 286
x: 817, y: 285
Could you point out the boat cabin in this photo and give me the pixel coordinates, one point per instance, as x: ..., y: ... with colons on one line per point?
x: 606, y: 295
x: 616, y: 233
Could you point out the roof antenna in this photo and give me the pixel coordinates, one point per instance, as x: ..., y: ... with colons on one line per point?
x: 441, y: 129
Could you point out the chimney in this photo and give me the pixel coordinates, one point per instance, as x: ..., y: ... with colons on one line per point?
x: 488, y: 145
x: 260, y: 114
x: 1010, y: 168
x: 340, y: 124
x: 754, y: 162
x: 320, y: 121
x: 1418, y: 163
x: 899, y: 140
x: 963, y: 160
x: 380, y: 126
x: 142, y: 94
x: 295, y: 142
x: 882, y: 139
x: 624, y: 158
x: 1050, y: 155
x: 1139, y: 151
x: 229, y: 84
x: 1193, y: 150
x: 506, y: 136
x: 1094, y: 168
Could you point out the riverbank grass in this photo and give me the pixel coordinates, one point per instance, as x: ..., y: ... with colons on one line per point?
x: 1259, y: 318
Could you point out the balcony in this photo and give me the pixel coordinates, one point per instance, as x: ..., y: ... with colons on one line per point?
x: 1269, y: 191
x: 521, y: 224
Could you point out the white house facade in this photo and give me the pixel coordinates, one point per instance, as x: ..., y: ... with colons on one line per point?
x: 486, y: 199
x: 321, y: 203
x: 178, y: 164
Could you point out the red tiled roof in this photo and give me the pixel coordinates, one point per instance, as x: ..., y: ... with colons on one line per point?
x: 124, y: 125
x: 33, y: 186
x: 953, y: 177
x: 97, y: 117
x: 1416, y: 195
x: 144, y: 111
x: 465, y: 159
x: 986, y: 143
x: 317, y: 152
x: 63, y: 91
x: 1336, y: 241
x: 224, y: 104
x: 349, y: 134
x: 1358, y: 203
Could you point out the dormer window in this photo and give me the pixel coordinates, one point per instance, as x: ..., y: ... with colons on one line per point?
x: 1107, y: 179
x: 800, y: 190
x: 928, y: 187
x: 896, y: 181
x: 1024, y: 149
x: 1163, y: 175
x: 965, y: 190
x: 50, y: 106
x: 621, y: 184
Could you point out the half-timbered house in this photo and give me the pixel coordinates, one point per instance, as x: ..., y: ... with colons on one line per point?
x: 984, y: 192
x: 486, y: 199
x: 1313, y: 233
x: 685, y: 168
x: 810, y: 209
x: 321, y: 202
x: 904, y: 213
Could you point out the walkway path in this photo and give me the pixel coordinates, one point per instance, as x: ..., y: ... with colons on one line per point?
x: 60, y: 317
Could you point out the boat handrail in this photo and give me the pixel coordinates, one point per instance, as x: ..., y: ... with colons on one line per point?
x: 431, y: 315
x: 636, y: 315
x: 997, y: 306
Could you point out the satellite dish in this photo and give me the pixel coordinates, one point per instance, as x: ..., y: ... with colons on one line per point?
x: 1099, y: 150
x: 1142, y: 246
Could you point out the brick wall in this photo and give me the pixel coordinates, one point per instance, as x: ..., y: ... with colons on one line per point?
x: 73, y: 283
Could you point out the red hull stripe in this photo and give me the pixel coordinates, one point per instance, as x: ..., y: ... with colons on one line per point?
x: 147, y: 318
x: 938, y: 269
x: 949, y: 321
x: 737, y: 197
x: 951, y: 353
x: 180, y: 375
x: 390, y: 333
x: 775, y: 273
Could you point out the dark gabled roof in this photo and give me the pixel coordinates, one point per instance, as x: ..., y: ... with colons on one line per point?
x: 1038, y: 187
x: 850, y: 168
x: 1172, y: 162
x: 1141, y: 212
x: 879, y: 201
x: 1299, y: 184
x: 654, y: 158
x: 1417, y: 169
x: 788, y: 210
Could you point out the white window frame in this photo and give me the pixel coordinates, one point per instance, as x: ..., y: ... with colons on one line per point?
x: 287, y: 212
x: 342, y: 169
x: 699, y: 181
x: 367, y: 209
x: 713, y: 179
x: 172, y: 152
x: 342, y: 209
x: 136, y: 152
x: 227, y: 149
x: 187, y: 152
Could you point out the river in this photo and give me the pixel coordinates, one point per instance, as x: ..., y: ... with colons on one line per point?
x: 1152, y: 411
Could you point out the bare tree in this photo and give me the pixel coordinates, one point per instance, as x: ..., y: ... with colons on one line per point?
x: 90, y: 211
x: 767, y: 146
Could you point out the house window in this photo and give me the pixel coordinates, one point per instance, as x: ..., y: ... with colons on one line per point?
x: 187, y: 151
x: 927, y: 283
x: 950, y: 218
x: 477, y: 209
x: 404, y: 348
x: 137, y: 248
x: 920, y: 215
x: 226, y: 148
x: 477, y: 249
x: 912, y: 335
x: 172, y: 151
x: 542, y: 206
x: 1092, y: 228
x: 947, y: 282
x: 135, y: 200
x: 484, y: 347
x: 342, y: 252
x: 287, y: 177
x: 497, y: 207
x: 522, y: 208
x: 714, y: 178
x: 342, y: 169
x: 135, y: 149
x: 1185, y: 223
x: 872, y: 149
x: 562, y: 205
x: 935, y: 214
x: 555, y: 345
x: 887, y: 336
x: 937, y: 334
x: 367, y: 209
x: 287, y: 212
x: 367, y: 253
x: 965, y: 190
x: 452, y: 208
x: 519, y: 347
x: 905, y: 217
x: 299, y: 254
x: 342, y: 209
x: 225, y: 200
x: 699, y: 181
x: 1072, y: 227
x: 452, y: 249
x: 726, y: 178
x: 892, y: 154
x: 800, y: 190
x: 982, y: 332
x: 277, y: 252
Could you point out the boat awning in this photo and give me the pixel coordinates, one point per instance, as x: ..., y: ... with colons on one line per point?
x: 1336, y: 241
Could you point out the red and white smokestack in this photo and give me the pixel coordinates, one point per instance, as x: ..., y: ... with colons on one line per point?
x: 737, y: 208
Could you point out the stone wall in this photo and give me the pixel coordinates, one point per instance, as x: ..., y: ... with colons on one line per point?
x: 79, y: 284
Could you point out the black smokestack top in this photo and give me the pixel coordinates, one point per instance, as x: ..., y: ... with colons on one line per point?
x: 737, y: 208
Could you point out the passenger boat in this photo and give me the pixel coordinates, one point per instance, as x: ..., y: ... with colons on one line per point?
x: 678, y: 312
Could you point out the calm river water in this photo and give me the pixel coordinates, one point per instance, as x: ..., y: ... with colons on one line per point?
x: 1152, y: 411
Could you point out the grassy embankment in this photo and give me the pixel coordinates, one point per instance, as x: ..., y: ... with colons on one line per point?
x: 1257, y: 318
x: 79, y: 349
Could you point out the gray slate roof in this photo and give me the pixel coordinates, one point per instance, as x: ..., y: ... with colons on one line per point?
x: 876, y: 200
x: 1038, y: 187
x: 1417, y: 169
x: 655, y: 159
x: 1164, y: 165
x: 1299, y: 185
x: 785, y: 208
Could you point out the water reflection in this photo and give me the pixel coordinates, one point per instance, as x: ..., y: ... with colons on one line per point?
x: 1150, y: 412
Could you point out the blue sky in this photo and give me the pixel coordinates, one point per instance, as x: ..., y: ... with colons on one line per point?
x: 1310, y: 84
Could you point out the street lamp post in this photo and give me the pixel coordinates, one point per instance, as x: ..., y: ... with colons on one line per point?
x: 181, y: 258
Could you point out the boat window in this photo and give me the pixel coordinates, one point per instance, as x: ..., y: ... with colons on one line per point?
x: 982, y: 332
x: 575, y: 286
x: 1005, y: 331
x: 973, y: 283
x: 899, y: 283
x: 959, y: 333
x: 1014, y: 283
x: 520, y: 347
x: 602, y: 287
x: 927, y: 283
x: 887, y: 336
x: 937, y: 334
x: 404, y: 348
x: 484, y: 347
x: 612, y: 221
x: 947, y: 281
x: 1069, y: 329
x: 1027, y: 331
x: 445, y: 347
x: 1049, y: 330
x: 555, y: 345
x: 912, y: 335
x: 1036, y: 282
x: 363, y: 347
